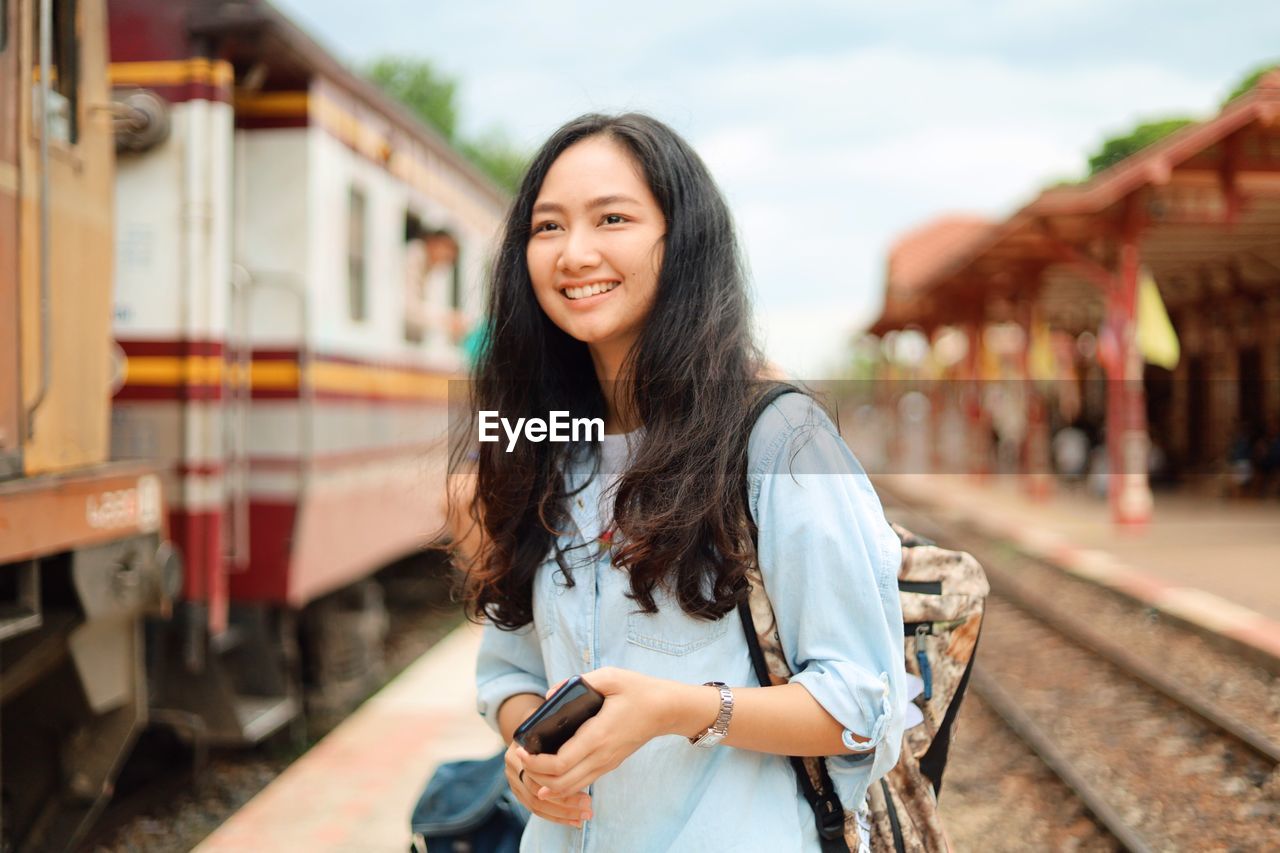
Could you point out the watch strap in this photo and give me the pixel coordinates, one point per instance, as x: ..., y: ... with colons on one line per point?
x: 714, y: 733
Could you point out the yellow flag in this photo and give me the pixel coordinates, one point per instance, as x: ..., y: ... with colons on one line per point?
x: 1042, y: 364
x: 1157, y: 340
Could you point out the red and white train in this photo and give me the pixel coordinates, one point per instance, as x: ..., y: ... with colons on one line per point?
x: 291, y: 260
x: 297, y: 259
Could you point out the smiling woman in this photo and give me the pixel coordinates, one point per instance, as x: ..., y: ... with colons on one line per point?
x: 594, y: 259
x: 618, y: 294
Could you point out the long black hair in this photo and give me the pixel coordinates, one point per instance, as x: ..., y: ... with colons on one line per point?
x: 691, y: 380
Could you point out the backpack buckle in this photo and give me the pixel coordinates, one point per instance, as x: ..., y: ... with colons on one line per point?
x: 831, y: 824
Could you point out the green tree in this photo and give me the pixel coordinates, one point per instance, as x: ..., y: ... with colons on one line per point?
x: 1117, y: 148
x: 433, y: 97
x: 415, y: 83
x: 1250, y: 80
x: 499, y: 158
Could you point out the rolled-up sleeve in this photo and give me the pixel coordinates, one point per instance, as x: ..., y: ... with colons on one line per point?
x: 830, y: 563
x: 509, y: 662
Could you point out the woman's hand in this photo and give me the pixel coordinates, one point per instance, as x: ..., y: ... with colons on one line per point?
x: 637, y: 708
x: 570, y: 810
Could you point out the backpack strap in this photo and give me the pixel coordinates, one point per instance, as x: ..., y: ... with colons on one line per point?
x: 828, y: 811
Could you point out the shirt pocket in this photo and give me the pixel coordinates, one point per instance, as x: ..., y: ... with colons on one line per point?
x: 671, y: 631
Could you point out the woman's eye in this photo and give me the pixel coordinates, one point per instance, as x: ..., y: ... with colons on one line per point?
x: 614, y: 219
x: 545, y: 226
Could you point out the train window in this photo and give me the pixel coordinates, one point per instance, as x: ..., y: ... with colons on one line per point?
x: 64, y: 77
x: 357, y: 214
x: 442, y: 258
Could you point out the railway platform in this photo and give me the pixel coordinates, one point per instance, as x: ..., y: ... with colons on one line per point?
x: 1206, y: 562
x: 354, y: 790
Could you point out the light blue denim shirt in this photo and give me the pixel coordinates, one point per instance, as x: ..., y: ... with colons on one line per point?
x: 830, y: 565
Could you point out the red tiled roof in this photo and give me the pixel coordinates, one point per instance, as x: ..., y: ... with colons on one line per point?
x: 926, y: 250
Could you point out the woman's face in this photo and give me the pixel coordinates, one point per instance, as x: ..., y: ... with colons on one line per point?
x: 595, y: 246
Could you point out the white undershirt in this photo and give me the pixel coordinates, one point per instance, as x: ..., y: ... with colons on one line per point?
x: 616, y: 454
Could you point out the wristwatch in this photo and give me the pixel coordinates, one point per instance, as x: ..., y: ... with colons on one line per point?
x: 717, y: 730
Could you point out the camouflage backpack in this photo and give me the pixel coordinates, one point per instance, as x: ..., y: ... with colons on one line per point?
x: 943, y: 594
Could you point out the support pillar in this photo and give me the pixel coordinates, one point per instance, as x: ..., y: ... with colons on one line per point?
x: 977, y: 431
x: 1127, y: 439
x: 1036, y: 463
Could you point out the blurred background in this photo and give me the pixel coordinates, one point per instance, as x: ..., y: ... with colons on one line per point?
x: 1031, y: 256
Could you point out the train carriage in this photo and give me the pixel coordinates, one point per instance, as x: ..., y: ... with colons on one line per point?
x: 297, y: 260
x: 83, y: 556
x: 246, y: 352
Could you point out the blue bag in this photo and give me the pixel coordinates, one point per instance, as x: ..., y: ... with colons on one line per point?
x: 467, y: 807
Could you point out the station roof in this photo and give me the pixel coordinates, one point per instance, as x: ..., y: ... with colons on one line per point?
x: 1208, y: 192
x: 919, y: 255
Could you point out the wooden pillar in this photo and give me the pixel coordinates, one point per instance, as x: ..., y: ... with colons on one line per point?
x: 1127, y: 440
x: 977, y: 431
x: 1036, y: 464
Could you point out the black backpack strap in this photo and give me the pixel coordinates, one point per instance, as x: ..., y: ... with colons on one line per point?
x: 828, y: 811
x: 934, y: 761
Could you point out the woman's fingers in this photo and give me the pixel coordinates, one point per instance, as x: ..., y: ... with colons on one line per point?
x: 583, y: 743
x: 569, y: 810
x: 576, y: 796
x: 568, y: 784
x: 570, y: 814
x: 580, y: 777
x: 544, y: 764
x: 573, y: 768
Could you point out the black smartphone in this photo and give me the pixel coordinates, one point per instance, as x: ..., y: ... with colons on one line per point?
x: 556, y: 719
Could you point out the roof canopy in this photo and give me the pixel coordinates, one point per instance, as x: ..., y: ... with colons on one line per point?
x: 1207, y: 195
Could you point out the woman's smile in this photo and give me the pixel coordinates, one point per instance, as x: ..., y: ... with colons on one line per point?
x: 586, y: 293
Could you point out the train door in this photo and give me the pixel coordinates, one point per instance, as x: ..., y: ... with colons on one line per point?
x: 67, y: 233
x: 10, y: 391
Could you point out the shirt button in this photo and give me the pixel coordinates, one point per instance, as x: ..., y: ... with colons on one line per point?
x: 586, y: 657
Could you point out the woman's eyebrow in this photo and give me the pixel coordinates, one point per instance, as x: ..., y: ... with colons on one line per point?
x: 602, y: 201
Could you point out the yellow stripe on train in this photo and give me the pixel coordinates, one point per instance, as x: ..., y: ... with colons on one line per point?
x: 336, y: 377
x: 175, y: 72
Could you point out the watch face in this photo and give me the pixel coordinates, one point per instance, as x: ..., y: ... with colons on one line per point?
x: 709, y: 739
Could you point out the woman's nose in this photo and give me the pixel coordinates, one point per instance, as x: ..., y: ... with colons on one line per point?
x: 578, y: 251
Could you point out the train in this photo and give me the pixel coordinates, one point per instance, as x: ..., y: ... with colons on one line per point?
x: 235, y: 285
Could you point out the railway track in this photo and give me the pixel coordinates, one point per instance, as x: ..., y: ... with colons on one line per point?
x: 1170, y: 741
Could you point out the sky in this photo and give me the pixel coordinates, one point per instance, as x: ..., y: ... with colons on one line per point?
x: 832, y: 126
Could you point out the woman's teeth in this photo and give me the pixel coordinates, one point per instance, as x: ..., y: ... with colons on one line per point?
x: 590, y: 289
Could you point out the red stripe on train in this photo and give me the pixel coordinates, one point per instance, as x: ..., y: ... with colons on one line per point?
x: 171, y: 347
x: 134, y: 393
x: 198, y: 535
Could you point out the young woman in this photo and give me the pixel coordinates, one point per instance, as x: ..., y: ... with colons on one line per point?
x: 618, y: 294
